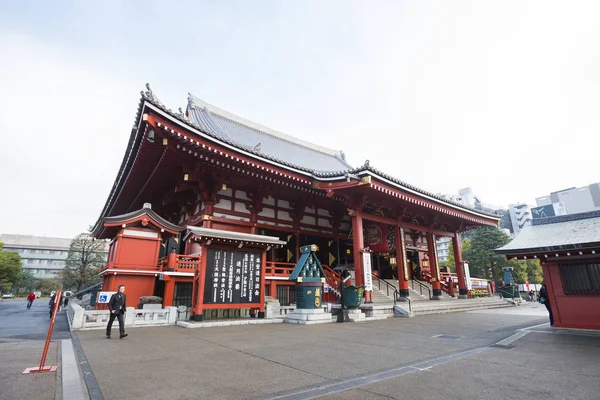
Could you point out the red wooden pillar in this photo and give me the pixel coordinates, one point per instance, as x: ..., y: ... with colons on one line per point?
x: 358, y: 245
x: 273, y: 288
x: 402, y: 263
x: 434, y: 267
x: 169, y: 291
x: 197, y: 307
x: 209, y: 207
x: 297, y: 246
x: 460, y: 269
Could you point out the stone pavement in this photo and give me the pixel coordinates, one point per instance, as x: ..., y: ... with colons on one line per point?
x: 15, y: 356
x: 281, y: 360
x: 22, y: 338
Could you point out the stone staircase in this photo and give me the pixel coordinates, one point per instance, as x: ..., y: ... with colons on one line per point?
x: 428, y: 307
x: 420, y: 303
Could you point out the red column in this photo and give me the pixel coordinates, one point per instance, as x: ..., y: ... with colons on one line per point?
x: 402, y: 263
x: 208, y: 213
x: 198, y: 302
x: 169, y: 291
x: 434, y: 267
x: 460, y: 271
x: 297, y: 246
x: 358, y: 245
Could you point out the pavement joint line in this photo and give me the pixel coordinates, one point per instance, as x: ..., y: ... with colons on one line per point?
x: 512, y: 338
x: 72, y: 384
x: 340, y: 385
x: 534, y: 326
x: 91, y: 383
x: 355, y: 383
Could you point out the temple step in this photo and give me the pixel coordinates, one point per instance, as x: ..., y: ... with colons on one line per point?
x: 428, y: 307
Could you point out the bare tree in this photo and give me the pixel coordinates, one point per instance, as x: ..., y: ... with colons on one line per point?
x: 86, y: 256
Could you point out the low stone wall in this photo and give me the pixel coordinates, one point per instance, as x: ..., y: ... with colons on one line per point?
x: 81, y: 319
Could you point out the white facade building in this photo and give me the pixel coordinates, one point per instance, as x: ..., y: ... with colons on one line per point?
x: 569, y: 201
x: 520, y: 216
x: 43, y: 256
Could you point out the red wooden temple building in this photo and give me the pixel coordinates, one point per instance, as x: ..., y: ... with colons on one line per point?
x: 568, y: 247
x: 209, y: 210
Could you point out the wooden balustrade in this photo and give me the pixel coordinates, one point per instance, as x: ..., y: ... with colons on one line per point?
x: 279, y: 269
x: 179, y: 263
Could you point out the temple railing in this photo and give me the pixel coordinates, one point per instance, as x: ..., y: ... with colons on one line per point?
x: 179, y: 263
x: 80, y: 318
x: 278, y: 269
x: 333, y: 280
x: 131, y: 267
x: 444, y: 286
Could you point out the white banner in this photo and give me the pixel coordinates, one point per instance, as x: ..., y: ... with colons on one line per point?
x: 104, y: 297
x: 367, y: 271
x: 467, y: 276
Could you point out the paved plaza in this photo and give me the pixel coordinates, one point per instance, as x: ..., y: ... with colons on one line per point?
x: 459, y: 355
x: 289, y: 361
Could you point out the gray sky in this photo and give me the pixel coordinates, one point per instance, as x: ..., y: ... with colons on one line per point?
x: 502, y: 96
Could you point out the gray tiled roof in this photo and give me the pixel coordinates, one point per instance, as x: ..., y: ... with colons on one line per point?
x: 263, y: 140
x: 209, y: 119
x: 560, y: 234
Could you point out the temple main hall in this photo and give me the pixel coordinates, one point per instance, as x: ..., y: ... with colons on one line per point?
x: 209, y: 211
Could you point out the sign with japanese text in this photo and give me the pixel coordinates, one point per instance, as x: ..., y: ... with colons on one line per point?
x: 467, y: 276
x: 232, y: 277
x: 367, y: 270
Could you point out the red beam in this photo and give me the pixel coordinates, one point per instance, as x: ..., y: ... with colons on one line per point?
x: 409, y: 225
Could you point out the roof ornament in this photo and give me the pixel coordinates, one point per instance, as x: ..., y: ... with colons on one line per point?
x: 149, y: 94
x: 257, y: 147
x: 367, y: 164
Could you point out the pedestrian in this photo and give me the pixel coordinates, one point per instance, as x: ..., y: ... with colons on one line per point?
x: 51, y: 303
x: 30, y: 300
x: 530, y: 294
x: 117, y: 306
x: 417, y: 273
x: 545, y: 300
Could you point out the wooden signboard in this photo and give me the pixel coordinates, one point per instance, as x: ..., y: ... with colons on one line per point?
x: 232, y: 277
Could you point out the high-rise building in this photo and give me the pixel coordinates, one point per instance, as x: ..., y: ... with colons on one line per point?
x: 520, y: 216
x: 568, y: 201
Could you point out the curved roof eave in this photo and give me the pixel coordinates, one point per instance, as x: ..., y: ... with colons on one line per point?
x: 150, y: 99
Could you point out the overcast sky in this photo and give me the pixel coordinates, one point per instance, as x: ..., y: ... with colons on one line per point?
x: 502, y: 96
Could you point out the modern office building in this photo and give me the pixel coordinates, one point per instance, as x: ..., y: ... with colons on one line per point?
x: 568, y: 201
x: 520, y: 216
x: 43, y: 256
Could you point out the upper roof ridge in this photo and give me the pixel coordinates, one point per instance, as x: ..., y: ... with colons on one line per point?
x: 199, y: 103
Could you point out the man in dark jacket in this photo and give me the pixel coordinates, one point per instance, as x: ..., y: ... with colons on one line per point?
x: 51, y: 303
x: 117, y: 306
x: 543, y: 298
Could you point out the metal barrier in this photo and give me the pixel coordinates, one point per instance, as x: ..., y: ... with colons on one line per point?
x: 42, y: 368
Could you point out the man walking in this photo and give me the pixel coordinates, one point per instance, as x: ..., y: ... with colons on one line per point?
x: 117, y: 306
x: 51, y: 303
x: 30, y: 300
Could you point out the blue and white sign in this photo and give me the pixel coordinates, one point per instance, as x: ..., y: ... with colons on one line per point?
x: 325, y: 288
x: 104, y: 297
